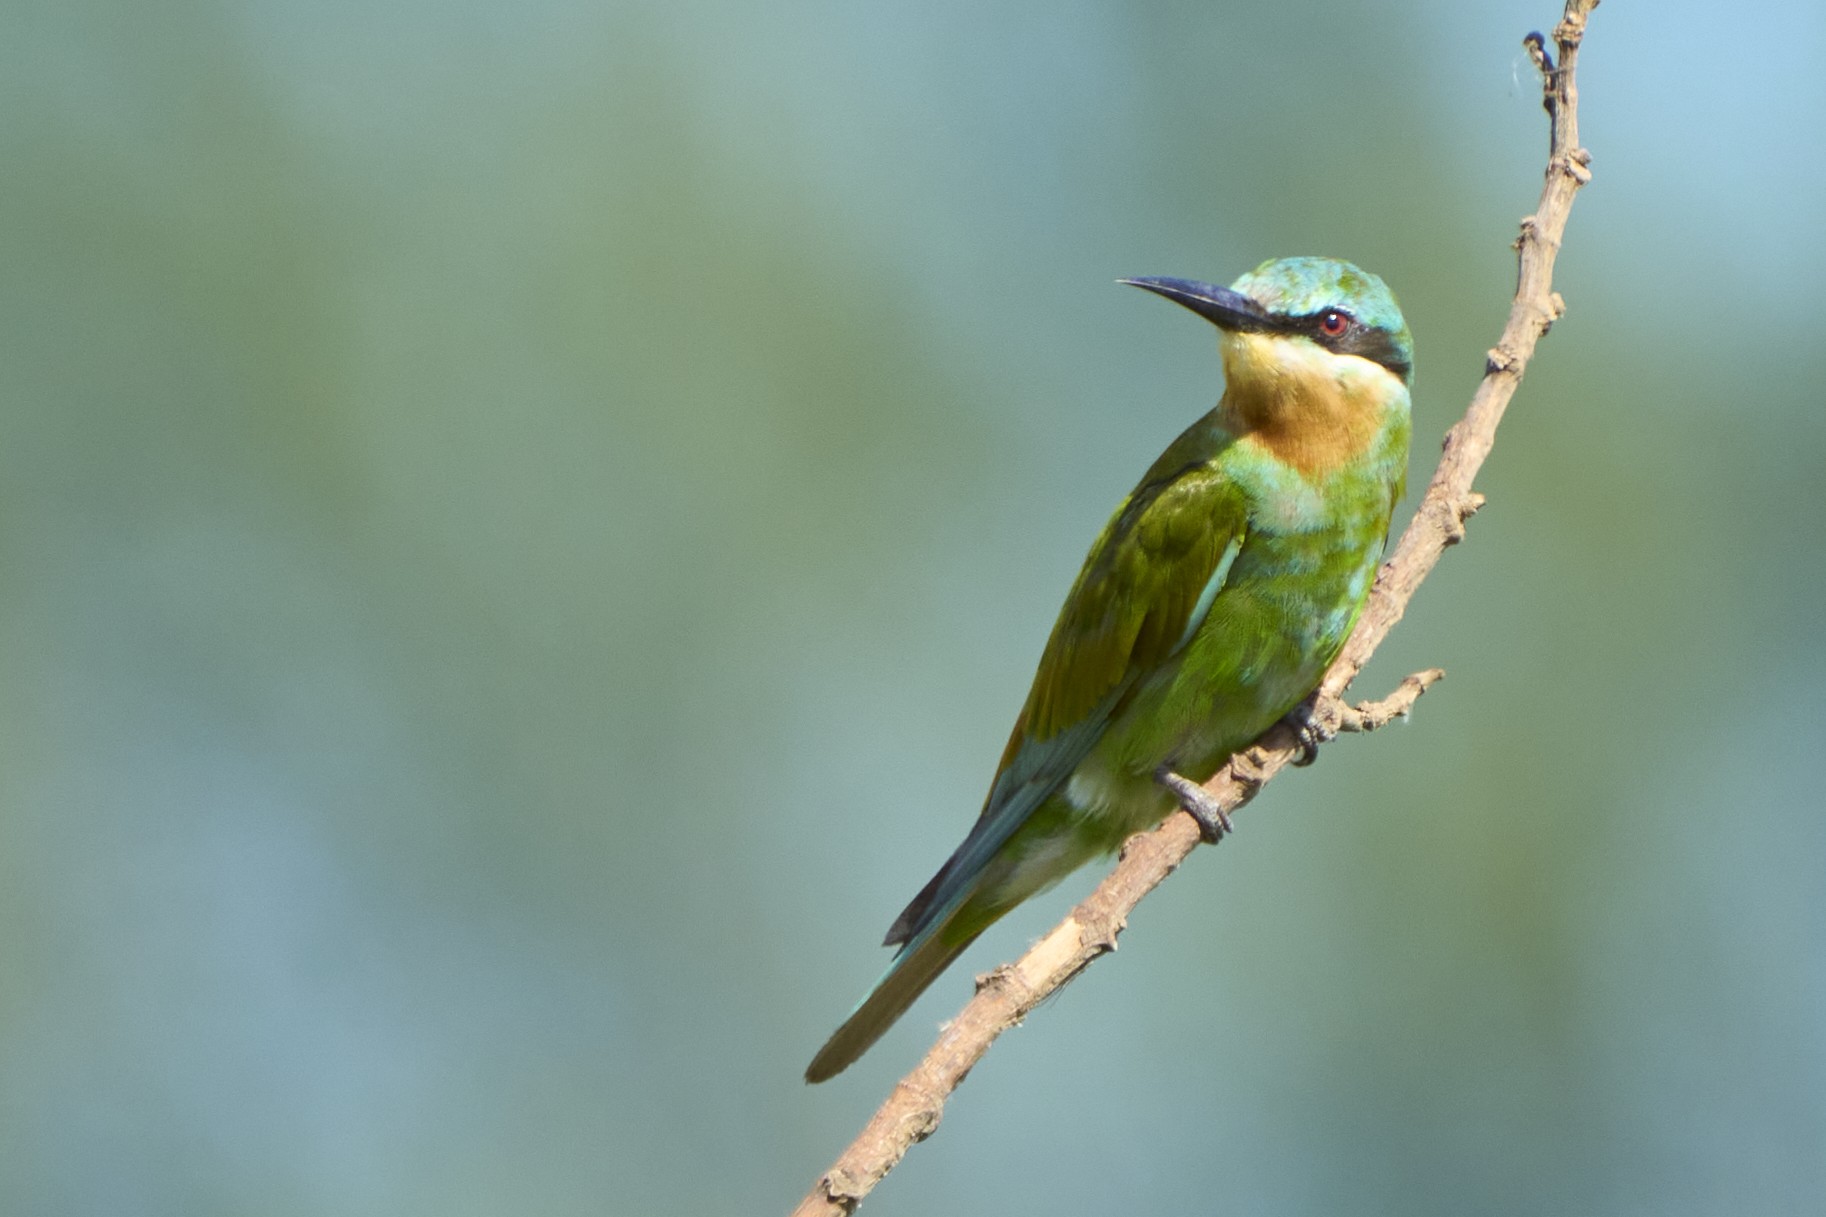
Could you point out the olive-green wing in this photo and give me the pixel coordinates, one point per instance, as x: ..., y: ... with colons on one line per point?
x: 1143, y: 592
x: 1133, y: 604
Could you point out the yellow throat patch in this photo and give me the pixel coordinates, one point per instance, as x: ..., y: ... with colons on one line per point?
x: 1312, y: 408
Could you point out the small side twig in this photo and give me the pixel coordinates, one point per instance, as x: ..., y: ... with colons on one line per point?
x: 1006, y: 995
x: 1375, y: 715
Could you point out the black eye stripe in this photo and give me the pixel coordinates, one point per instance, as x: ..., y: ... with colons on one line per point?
x: 1375, y: 345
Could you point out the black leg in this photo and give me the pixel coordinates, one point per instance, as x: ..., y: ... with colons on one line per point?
x: 1199, y: 803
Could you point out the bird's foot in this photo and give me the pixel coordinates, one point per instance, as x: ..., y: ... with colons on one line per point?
x: 1314, y: 722
x: 1199, y: 803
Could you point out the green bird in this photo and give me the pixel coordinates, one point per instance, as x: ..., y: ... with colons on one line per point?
x: 1209, y: 608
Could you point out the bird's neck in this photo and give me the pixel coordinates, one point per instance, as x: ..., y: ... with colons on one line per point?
x: 1310, y: 408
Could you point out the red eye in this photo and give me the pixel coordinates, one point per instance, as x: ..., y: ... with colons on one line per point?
x: 1333, y: 323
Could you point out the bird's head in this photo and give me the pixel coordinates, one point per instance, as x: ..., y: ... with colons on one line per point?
x: 1317, y: 356
x: 1325, y: 302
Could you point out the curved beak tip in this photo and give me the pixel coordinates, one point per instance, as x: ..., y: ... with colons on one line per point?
x: 1220, y: 306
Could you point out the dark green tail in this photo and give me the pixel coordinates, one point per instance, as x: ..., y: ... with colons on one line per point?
x: 970, y: 892
x: 917, y: 966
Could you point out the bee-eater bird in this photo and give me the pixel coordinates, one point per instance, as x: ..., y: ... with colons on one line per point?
x: 1209, y: 608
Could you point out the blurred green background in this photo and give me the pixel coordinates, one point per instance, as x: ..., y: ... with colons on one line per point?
x: 524, y: 529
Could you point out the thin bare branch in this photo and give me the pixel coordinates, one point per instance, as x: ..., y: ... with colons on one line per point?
x: 1005, y: 996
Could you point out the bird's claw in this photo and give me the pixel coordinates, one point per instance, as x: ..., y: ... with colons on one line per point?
x: 1213, y: 821
x: 1312, y: 726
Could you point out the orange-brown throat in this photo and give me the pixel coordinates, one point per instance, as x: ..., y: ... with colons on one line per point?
x: 1313, y: 409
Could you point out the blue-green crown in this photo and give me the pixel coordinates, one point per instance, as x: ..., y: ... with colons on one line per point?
x: 1302, y: 287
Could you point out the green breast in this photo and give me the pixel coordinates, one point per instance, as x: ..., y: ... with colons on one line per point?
x: 1290, y: 599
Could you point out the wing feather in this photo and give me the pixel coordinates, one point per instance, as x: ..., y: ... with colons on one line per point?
x: 1130, y: 610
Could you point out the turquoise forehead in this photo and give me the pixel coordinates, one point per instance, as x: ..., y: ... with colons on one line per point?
x: 1300, y: 286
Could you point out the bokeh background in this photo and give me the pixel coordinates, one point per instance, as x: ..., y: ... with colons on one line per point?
x: 524, y: 527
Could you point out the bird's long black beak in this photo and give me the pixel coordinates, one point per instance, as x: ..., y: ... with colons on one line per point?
x: 1220, y: 306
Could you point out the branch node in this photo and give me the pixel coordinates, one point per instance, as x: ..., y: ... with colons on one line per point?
x: 845, y: 1190
x: 1528, y: 227
x: 1450, y: 513
x: 1102, y: 938
x: 1248, y: 771
x: 927, y: 1108
x: 1570, y: 165
x: 1571, y: 29
x: 1003, y: 976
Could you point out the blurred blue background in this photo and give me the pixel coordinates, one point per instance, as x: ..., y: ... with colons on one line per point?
x: 525, y: 527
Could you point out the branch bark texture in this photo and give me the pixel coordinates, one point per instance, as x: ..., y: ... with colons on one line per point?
x: 1006, y: 995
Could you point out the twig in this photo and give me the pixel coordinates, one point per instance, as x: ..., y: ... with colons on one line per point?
x: 1007, y: 994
